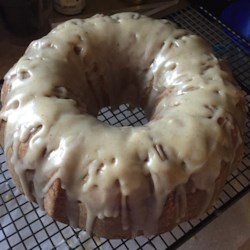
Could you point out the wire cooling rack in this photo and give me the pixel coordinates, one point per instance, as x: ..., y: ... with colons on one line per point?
x: 24, y: 226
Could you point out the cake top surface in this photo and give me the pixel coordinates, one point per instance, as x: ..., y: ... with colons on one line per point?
x: 55, y: 90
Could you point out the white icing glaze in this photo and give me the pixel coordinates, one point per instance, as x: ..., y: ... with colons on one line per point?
x: 64, y: 78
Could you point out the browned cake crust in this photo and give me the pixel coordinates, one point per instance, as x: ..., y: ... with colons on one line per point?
x: 55, y: 204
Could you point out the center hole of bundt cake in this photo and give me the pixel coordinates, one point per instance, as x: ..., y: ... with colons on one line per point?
x: 118, y: 92
x: 124, y: 115
x: 116, y: 82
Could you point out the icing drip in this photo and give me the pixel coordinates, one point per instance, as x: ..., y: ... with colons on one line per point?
x: 181, y: 202
x: 63, y: 79
x: 125, y: 222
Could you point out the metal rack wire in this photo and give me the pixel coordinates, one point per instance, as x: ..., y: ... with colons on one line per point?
x: 24, y: 226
